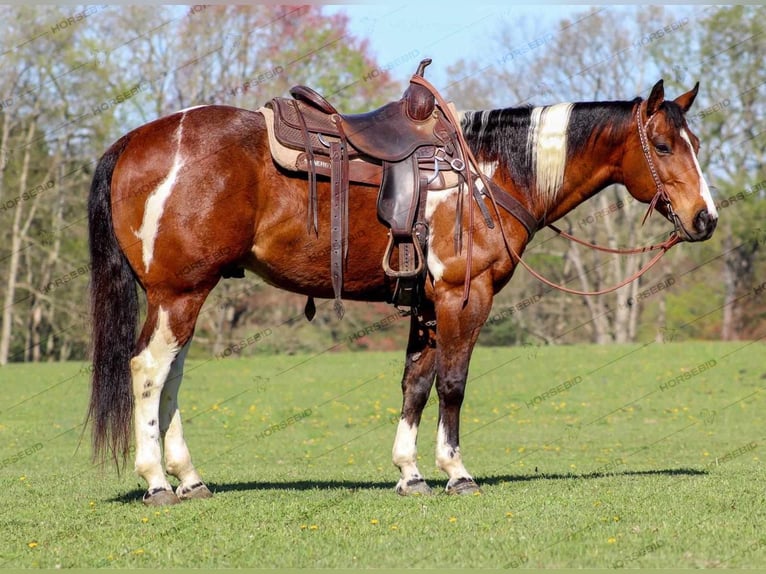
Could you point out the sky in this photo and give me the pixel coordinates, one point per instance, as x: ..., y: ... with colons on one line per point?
x: 402, y: 34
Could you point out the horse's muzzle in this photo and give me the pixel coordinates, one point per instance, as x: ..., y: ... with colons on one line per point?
x: 705, y: 224
x: 703, y: 227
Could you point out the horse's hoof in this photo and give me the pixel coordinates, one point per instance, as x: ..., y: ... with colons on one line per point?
x: 160, y: 497
x: 198, y: 490
x: 413, y: 487
x: 463, y: 486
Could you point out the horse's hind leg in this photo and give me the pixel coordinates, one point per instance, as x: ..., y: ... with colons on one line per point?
x: 169, y: 327
x: 419, y: 371
x: 177, y: 458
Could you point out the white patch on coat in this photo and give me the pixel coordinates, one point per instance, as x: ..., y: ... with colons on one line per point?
x: 547, y: 146
x: 433, y: 200
x: 155, y: 203
x: 704, y: 189
x: 183, y: 111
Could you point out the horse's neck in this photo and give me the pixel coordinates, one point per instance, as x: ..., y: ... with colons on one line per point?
x: 582, y: 184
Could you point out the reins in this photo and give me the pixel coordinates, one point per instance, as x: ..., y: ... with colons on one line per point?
x: 662, y: 247
x: 661, y: 194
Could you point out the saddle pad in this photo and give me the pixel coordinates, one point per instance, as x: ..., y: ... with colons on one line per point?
x: 283, y: 155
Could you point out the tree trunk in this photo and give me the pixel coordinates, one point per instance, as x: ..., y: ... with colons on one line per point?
x: 599, y: 321
x: 17, y: 233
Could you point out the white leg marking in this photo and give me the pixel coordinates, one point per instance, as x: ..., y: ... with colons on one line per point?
x: 547, y: 146
x: 150, y: 369
x: 704, y: 189
x: 155, y: 203
x: 177, y: 458
x: 449, y: 459
x: 405, y: 453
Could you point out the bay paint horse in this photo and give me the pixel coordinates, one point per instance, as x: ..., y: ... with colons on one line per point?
x: 185, y: 200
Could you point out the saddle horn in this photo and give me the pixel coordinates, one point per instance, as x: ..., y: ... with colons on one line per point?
x: 422, y: 66
x: 420, y: 101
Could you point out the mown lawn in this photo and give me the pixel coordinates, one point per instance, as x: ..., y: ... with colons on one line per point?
x: 636, y: 456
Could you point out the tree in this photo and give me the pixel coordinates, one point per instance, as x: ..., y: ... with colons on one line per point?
x: 731, y: 119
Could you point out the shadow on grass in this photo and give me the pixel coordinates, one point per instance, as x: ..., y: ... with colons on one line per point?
x: 490, y: 480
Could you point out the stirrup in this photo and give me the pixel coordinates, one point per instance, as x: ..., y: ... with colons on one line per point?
x: 418, y: 258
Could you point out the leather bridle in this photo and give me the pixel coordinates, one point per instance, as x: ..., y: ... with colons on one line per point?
x: 661, y: 193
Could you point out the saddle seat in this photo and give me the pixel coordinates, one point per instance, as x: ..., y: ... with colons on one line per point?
x: 390, y: 133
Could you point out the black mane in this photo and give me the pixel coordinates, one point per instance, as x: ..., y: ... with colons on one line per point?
x: 501, y: 135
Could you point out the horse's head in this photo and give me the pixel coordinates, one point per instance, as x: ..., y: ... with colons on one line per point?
x: 661, y: 167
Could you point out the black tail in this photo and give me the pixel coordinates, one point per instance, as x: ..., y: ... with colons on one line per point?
x: 114, y: 316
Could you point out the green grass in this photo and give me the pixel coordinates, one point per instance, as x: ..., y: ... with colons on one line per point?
x: 619, y: 469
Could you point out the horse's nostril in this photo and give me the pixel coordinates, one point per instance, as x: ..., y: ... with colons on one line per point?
x: 703, y: 223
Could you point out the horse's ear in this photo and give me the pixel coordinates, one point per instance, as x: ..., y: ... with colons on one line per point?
x: 686, y: 100
x: 655, y: 99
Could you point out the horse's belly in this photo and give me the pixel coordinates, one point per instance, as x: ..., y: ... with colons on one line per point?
x: 301, y: 263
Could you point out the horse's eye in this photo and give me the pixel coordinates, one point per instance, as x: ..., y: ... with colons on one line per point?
x: 662, y: 148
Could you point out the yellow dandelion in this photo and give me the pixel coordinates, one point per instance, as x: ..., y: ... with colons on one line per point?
x: 611, y: 540
x: 22, y: 478
x: 145, y: 519
x: 215, y: 407
x: 32, y: 544
x: 138, y: 551
x: 304, y: 526
x: 453, y: 519
x: 509, y: 514
x: 477, y: 493
x: 374, y: 521
x: 157, y: 513
x: 91, y: 504
x: 394, y: 527
x: 313, y: 527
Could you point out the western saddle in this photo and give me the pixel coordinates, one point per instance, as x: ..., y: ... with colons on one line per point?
x: 405, y: 147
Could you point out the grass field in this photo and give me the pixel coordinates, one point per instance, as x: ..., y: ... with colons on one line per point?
x: 649, y: 456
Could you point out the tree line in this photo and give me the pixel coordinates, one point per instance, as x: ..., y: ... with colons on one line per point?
x: 77, y: 79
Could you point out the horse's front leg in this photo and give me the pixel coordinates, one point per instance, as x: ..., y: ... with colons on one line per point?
x: 419, y: 372
x: 458, y: 329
